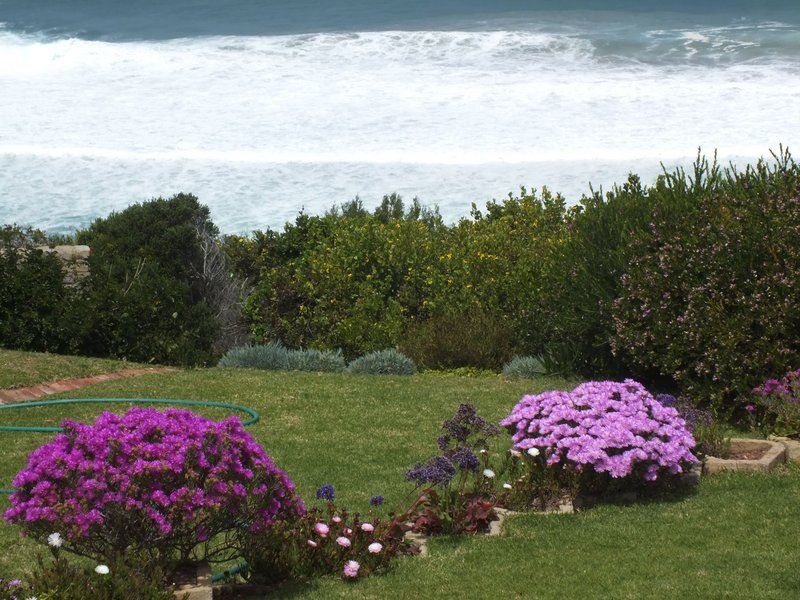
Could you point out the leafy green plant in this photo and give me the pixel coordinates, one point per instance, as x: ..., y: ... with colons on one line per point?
x: 37, y: 311
x: 146, y: 291
x: 127, y: 577
x: 310, y: 359
x: 525, y: 367
x: 383, y: 362
x: 709, y: 297
x: 272, y: 356
x: 472, y: 339
x: 779, y: 403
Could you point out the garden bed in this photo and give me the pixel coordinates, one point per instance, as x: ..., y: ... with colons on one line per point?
x: 748, y: 455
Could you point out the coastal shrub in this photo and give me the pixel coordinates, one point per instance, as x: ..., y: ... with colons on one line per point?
x: 148, y: 285
x: 602, y: 428
x: 149, y: 481
x: 348, y: 279
x: 37, y: 311
x: 272, y: 356
x: 779, y: 403
x: 325, y: 541
x: 472, y: 339
x: 383, y: 362
x: 524, y: 367
x: 710, y: 298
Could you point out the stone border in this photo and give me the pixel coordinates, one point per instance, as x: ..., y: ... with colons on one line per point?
x: 59, y: 386
x: 774, y: 456
x: 792, y: 447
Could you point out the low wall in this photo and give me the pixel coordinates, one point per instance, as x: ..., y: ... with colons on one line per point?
x: 74, y: 259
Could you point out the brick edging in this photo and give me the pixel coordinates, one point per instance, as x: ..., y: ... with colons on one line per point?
x: 66, y: 385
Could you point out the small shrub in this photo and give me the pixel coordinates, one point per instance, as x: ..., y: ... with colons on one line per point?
x: 324, y: 541
x: 456, y: 485
x: 383, y: 362
x: 779, y: 401
x: 324, y: 361
x: 524, y: 367
x: 129, y: 577
x: 161, y: 482
x: 603, y: 427
x: 473, y: 339
x: 272, y: 356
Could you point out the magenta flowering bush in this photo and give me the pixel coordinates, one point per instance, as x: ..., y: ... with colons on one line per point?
x: 603, y: 427
x: 163, y: 482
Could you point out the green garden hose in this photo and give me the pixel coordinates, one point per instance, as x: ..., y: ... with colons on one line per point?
x: 254, y: 417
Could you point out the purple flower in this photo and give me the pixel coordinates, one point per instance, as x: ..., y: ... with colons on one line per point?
x: 325, y: 493
x: 464, y: 459
x: 437, y: 471
x: 609, y: 426
x: 376, y: 500
x: 172, y: 472
x: 751, y: 408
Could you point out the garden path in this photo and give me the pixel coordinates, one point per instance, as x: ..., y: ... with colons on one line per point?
x: 65, y: 385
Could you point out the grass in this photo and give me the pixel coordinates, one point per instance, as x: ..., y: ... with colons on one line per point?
x: 19, y: 369
x: 735, y: 538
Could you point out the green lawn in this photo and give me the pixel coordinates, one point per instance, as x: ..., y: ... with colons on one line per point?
x: 18, y: 369
x: 735, y: 538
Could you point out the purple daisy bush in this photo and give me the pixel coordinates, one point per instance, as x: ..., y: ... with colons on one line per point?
x: 151, y: 480
x: 610, y: 427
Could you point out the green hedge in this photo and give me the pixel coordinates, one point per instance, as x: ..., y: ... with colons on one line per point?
x: 529, y: 276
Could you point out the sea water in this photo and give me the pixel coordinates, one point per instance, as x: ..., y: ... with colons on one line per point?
x: 265, y: 108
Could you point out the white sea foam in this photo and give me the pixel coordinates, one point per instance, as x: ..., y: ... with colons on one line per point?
x: 254, y: 123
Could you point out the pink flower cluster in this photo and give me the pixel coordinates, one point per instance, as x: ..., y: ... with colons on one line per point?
x: 147, y: 472
x: 611, y: 427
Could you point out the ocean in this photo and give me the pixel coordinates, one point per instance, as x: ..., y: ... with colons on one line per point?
x: 264, y: 108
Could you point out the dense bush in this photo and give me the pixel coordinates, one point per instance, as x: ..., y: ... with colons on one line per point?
x: 383, y: 362
x: 159, y: 288
x: 161, y: 482
x: 603, y: 427
x: 145, y: 288
x: 274, y: 356
x: 474, y: 339
x: 37, y: 311
x: 710, y: 296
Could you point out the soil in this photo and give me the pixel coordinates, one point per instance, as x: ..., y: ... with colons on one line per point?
x: 185, y: 575
x: 747, y: 450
